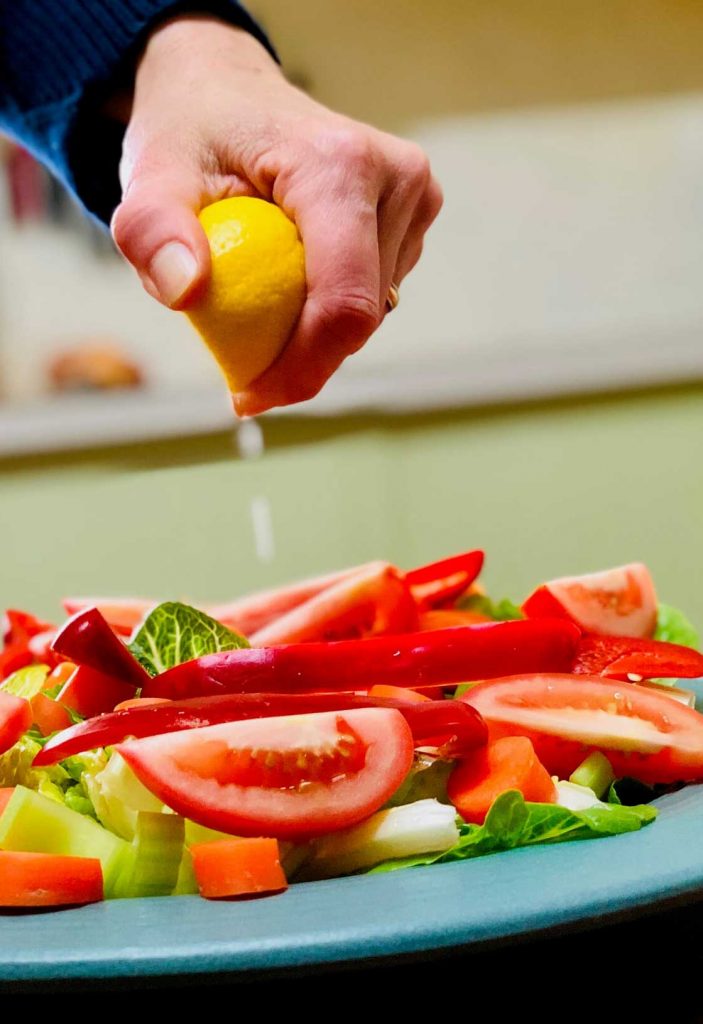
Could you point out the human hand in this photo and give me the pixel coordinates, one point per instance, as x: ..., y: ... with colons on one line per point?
x: 212, y: 116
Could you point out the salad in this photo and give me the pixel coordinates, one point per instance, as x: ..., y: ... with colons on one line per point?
x: 369, y: 720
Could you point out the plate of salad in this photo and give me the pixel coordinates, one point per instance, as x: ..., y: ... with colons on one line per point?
x: 372, y: 762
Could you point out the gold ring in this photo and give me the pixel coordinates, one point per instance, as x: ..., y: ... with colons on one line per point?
x: 393, y: 297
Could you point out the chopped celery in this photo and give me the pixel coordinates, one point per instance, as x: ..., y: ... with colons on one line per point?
x: 423, y: 827
x: 575, y: 797
x: 427, y: 778
x: 158, y: 851
x: 118, y: 796
x: 186, y: 884
x: 595, y: 772
x: 685, y: 697
x: 26, y: 682
x: 34, y: 824
x: 195, y: 833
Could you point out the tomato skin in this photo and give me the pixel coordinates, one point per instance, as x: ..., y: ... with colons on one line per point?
x: 185, y: 770
x: 643, y: 734
x: 507, y: 763
x: 15, y: 718
x: 621, y: 601
x: 13, y: 658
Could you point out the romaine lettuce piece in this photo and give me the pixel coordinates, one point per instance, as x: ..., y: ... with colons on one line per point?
x: 173, y: 633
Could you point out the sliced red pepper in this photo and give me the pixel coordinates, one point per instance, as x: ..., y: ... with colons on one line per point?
x: 19, y: 626
x: 617, y: 657
x: 251, y: 613
x: 440, y: 582
x: 373, y: 600
x: 459, y: 723
x: 434, y: 658
x: 91, y: 693
x: 88, y: 640
x: 13, y: 658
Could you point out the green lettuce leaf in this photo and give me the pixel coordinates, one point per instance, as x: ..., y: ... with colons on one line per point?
x: 674, y: 627
x: 512, y: 822
x: 63, y: 782
x: 26, y: 682
x: 501, y: 611
x: 173, y: 633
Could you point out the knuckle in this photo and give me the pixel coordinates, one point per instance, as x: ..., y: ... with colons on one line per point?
x: 353, y: 148
x: 415, y: 165
x: 351, y: 317
x: 131, y: 222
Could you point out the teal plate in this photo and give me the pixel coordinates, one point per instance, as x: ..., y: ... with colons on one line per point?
x: 348, y: 919
x: 352, y: 919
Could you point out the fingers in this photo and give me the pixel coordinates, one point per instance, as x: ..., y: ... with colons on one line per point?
x: 157, y: 229
x: 342, y: 308
x: 407, y: 182
x: 424, y: 216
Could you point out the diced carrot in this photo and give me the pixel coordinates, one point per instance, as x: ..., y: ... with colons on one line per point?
x: 48, y: 880
x: 507, y: 763
x: 397, y: 693
x: 238, y: 867
x: 442, y: 618
x: 60, y: 675
x: 49, y: 715
x: 140, y: 702
x: 5, y: 794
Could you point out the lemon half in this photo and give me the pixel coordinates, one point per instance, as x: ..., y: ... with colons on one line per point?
x: 256, y: 290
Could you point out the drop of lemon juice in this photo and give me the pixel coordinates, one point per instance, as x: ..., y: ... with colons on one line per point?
x: 250, y: 445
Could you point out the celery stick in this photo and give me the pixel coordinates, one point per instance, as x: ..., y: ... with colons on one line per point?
x: 35, y: 824
x: 158, y: 851
x: 595, y: 772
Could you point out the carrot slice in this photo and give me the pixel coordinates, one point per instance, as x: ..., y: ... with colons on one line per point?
x: 48, y: 880
x: 238, y: 867
x: 397, y: 693
x: 507, y: 763
x: 5, y: 794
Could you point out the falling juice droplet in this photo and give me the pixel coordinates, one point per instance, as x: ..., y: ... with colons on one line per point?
x: 249, y: 443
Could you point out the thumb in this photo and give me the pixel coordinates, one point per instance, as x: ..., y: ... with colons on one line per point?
x: 156, y: 228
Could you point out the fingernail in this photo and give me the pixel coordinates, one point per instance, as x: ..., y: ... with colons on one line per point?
x: 244, y: 405
x: 172, y: 271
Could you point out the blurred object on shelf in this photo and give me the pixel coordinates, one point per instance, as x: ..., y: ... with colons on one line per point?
x: 27, y: 183
x: 94, y: 365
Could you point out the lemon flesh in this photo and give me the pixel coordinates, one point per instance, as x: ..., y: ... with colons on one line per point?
x: 256, y: 290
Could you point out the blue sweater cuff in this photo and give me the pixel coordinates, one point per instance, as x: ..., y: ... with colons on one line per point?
x: 58, y: 61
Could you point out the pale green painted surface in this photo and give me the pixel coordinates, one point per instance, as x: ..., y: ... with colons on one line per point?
x: 551, y: 489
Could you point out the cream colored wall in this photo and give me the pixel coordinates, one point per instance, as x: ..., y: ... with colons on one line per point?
x: 393, y: 62
x: 547, y: 490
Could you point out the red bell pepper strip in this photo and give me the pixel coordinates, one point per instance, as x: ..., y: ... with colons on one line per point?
x: 372, y: 601
x: 617, y: 657
x: 19, y: 626
x: 434, y: 658
x: 91, y: 693
x: 87, y: 640
x: 455, y: 721
x: 440, y: 582
x: 13, y: 658
x: 251, y: 613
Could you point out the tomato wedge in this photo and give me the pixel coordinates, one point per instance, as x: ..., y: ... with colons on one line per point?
x: 15, y: 718
x: 645, y: 735
x: 620, y: 601
x: 289, y: 778
x: 618, y: 657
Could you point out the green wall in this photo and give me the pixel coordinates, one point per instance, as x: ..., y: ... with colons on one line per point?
x: 546, y: 489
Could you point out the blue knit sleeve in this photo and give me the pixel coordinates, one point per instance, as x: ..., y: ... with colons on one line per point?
x: 59, y: 58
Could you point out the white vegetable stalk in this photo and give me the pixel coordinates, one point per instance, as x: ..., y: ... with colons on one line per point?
x: 425, y: 826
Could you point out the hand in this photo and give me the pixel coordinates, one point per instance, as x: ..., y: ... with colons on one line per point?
x: 212, y: 116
